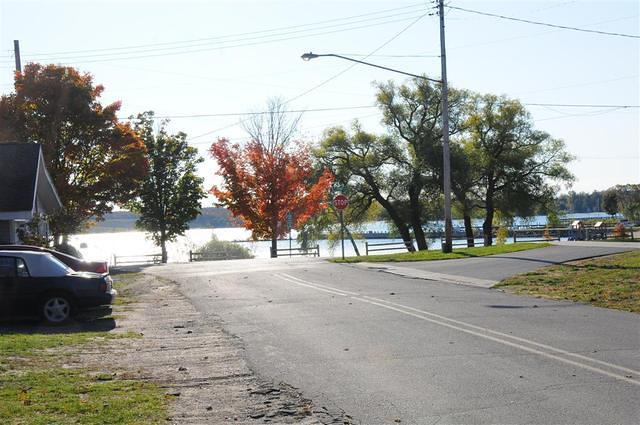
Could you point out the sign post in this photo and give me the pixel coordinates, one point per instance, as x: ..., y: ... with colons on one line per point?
x: 340, y: 202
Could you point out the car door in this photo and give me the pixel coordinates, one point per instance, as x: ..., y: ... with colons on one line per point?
x: 8, y: 284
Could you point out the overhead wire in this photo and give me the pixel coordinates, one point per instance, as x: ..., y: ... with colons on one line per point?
x: 415, y: 5
x: 326, y: 81
x: 546, y: 24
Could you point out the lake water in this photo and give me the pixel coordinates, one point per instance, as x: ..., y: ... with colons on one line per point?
x: 122, y: 244
x: 106, y: 245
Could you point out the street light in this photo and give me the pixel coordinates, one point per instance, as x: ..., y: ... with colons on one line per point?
x: 308, y: 56
x: 448, y: 227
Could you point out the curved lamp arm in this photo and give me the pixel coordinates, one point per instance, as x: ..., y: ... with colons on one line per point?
x: 310, y: 55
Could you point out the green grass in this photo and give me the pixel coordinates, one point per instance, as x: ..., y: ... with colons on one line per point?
x: 433, y: 255
x: 121, y: 283
x: 35, y: 388
x: 59, y: 396
x: 612, y: 281
x: 28, y: 345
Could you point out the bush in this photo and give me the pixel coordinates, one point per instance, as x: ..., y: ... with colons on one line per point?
x: 223, y: 250
x: 619, y: 231
x: 501, y: 235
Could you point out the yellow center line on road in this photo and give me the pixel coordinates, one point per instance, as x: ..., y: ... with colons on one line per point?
x: 477, y: 331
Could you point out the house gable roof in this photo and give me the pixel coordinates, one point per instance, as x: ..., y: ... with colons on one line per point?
x: 22, y: 176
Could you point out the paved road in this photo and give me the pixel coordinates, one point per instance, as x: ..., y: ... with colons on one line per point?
x: 386, y: 348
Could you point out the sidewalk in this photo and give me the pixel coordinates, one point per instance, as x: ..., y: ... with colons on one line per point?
x: 630, y: 245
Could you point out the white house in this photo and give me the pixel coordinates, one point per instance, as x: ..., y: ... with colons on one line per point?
x: 26, y: 189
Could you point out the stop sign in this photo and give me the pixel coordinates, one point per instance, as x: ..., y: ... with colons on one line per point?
x: 340, y: 202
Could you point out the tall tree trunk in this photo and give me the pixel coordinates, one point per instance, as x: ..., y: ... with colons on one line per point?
x: 353, y: 243
x: 416, y: 222
x: 468, y: 230
x: 163, y: 247
x: 487, y: 226
x: 274, y: 237
x: 402, y: 227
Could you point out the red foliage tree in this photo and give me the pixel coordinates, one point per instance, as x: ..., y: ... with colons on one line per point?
x: 262, y: 185
x: 95, y: 160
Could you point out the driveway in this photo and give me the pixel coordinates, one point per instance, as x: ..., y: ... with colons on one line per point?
x: 387, y: 349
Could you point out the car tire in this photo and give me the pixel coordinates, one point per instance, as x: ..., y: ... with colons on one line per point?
x: 56, y: 309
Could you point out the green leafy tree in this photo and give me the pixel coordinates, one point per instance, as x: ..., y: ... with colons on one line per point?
x: 170, y: 195
x: 364, y: 166
x: 520, y: 167
x: 413, y: 115
x: 94, y: 160
x: 610, y: 202
x: 629, y: 200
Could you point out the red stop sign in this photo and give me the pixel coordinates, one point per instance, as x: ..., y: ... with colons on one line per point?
x: 340, y: 202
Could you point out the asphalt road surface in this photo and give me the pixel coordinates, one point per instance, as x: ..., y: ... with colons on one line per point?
x: 389, y: 349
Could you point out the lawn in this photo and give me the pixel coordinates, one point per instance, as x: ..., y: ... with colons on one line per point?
x: 36, y: 387
x: 432, y: 255
x: 612, y: 281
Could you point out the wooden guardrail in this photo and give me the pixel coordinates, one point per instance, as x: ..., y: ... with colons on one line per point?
x: 313, y: 251
x: 389, y: 246
x: 137, y: 259
x: 538, y: 233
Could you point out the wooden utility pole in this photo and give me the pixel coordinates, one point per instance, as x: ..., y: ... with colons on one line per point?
x: 447, y: 246
x: 16, y: 53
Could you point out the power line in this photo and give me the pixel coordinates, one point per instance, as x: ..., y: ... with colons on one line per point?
x: 225, y: 39
x: 254, y: 43
x: 235, y: 114
x: 413, y: 6
x: 346, y: 108
x: 333, y: 77
x: 546, y: 24
x: 582, y: 105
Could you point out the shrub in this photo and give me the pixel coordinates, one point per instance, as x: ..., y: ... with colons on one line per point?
x: 501, y: 235
x: 619, y: 231
x: 223, y: 250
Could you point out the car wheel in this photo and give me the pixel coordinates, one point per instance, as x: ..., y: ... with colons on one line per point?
x: 56, y: 309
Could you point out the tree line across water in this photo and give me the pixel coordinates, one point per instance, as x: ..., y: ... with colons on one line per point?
x: 501, y: 165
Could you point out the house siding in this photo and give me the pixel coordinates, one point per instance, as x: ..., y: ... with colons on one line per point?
x: 6, y: 228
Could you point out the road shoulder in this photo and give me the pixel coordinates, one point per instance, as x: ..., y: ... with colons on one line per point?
x: 200, y: 366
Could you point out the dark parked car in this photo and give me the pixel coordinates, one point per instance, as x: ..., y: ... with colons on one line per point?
x: 75, y: 263
x: 37, y: 284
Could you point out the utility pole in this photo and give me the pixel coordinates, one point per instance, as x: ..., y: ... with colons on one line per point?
x: 16, y: 53
x: 446, y: 159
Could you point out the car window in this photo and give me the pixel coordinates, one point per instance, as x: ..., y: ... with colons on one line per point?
x: 7, y: 267
x: 46, y: 265
x: 21, y: 268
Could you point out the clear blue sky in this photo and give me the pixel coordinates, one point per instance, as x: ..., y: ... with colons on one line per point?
x: 222, y: 74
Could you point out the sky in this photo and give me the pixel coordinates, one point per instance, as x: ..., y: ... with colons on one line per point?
x: 206, y: 63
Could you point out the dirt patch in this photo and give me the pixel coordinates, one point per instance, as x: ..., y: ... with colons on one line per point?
x: 199, y: 365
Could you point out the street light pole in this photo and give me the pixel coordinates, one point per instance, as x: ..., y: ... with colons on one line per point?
x: 446, y: 158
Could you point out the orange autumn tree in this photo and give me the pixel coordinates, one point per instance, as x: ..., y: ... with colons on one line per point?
x: 261, y: 185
